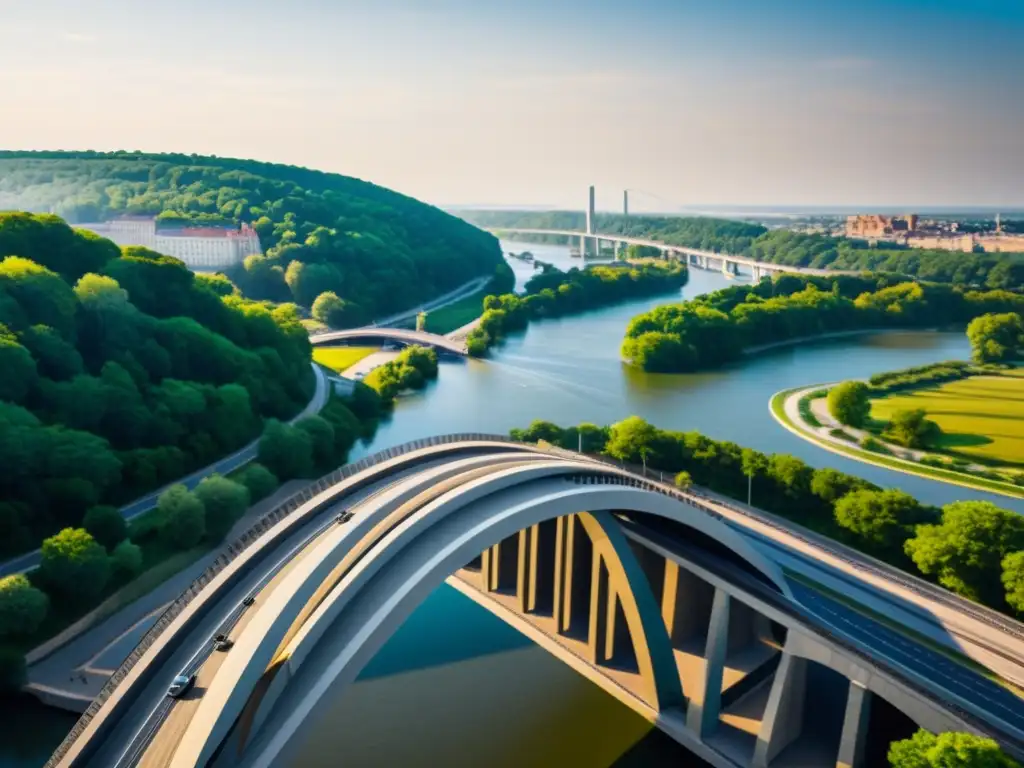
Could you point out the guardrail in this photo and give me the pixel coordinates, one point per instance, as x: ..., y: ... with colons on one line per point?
x: 233, y: 551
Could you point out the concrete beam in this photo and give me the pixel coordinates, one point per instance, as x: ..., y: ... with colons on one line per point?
x: 705, y: 705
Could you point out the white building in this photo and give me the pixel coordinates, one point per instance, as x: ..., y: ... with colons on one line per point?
x: 203, y: 249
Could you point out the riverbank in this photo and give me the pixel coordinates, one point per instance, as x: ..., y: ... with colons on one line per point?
x: 784, y: 407
x: 813, y: 338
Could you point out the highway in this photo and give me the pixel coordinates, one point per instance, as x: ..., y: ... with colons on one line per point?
x: 239, y: 458
x: 167, y: 718
x: 464, y: 290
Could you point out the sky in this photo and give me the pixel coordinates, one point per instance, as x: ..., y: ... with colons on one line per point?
x: 527, y: 102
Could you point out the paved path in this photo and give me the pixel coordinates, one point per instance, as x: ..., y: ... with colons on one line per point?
x: 81, y: 667
x: 370, y: 362
x: 240, y: 458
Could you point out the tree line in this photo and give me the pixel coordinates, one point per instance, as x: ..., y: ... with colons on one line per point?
x: 122, y: 372
x: 717, y: 328
x: 972, y: 548
x: 553, y: 293
x: 378, y: 250
x: 781, y: 246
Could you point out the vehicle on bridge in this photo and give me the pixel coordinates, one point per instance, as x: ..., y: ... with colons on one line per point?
x: 181, y: 685
x: 667, y: 600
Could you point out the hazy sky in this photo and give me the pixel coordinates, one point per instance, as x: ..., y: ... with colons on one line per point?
x: 761, y: 102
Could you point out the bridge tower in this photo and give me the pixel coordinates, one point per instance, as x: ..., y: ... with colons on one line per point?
x: 589, y: 243
x: 625, y: 202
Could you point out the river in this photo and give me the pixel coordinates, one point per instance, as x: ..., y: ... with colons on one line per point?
x: 457, y: 687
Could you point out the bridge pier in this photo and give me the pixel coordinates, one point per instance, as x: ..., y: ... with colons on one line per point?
x: 783, y: 716
x: 855, y: 727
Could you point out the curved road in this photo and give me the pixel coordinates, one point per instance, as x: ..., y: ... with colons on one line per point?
x: 150, y: 732
x: 239, y: 458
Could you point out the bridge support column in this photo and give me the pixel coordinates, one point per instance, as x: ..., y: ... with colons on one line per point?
x: 855, y: 727
x: 536, y: 568
x: 573, y: 553
x: 784, y: 713
x: 705, y: 705
x: 499, y: 566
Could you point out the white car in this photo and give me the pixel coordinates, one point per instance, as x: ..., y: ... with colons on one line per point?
x: 181, y: 685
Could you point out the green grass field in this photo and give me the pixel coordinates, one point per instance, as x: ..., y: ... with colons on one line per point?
x: 981, y: 417
x: 341, y: 359
x: 447, y: 319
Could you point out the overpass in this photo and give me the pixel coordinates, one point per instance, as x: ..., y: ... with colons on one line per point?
x: 665, y: 599
x: 694, y: 256
x: 397, y: 335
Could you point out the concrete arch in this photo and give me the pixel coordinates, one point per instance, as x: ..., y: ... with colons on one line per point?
x: 391, y: 334
x: 411, y: 560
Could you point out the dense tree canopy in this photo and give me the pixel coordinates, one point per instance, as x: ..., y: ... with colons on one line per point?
x: 997, y: 338
x: 948, y: 750
x: 378, y: 250
x: 780, y: 246
x: 122, y: 373
x: 717, y: 328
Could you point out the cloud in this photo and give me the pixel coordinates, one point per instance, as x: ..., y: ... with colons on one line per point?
x: 846, y: 63
x: 78, y: 37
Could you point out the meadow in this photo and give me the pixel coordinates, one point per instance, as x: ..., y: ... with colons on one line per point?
x: 341, y: 359
x: 982, y: 417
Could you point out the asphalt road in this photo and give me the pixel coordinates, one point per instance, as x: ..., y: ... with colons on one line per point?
x: 240, y: 458
x: 464, y: 290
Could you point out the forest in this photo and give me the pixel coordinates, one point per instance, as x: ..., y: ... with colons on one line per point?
x: 380, y: 251
x: 123, y: 371
x: 717, y: 328
x: 552, y: 293
x: 781, y: 246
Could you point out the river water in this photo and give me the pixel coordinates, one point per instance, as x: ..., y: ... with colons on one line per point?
x: 456, y: 686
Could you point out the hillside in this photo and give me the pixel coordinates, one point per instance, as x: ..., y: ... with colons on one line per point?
x: 778, y: 246
x: 123, y: 371
x: 378, y: 250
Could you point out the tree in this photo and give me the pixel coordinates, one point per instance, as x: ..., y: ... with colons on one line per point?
x: 1013, y: 580
x: 224, y: 501
x: 182, y: 517
x: 830, y: 485
x: 259, y: 480
x: 73, y: 564
x: 127, y: 559
x: 334, y: 311
x: 911, y: 429
x: 13, y: 671
x: 321, y: 437
x: 285, y: 450
x: 683, y: 480
x: 106, y: 524
x: 19, y: 369
x: 948, y: 750
x: 880, y: 521
x: 849, y: 403
x: 996, y: 337
x: 631, y: 439
x: 421, y: 321
x: 965, y: 550
x: 22, y: 606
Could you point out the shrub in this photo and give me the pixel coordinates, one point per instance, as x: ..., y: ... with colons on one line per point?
x: 849, y: 403
x: 182, y: 518
x: 107, y: 525
x: 22, y: 606
x: 127, y: 559
x: 223, y: 501
x: 259, y: 480
x: 74, y: 564
x: 873, y: 445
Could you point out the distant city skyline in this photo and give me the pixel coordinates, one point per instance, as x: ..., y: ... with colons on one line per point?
x: 905, y: 104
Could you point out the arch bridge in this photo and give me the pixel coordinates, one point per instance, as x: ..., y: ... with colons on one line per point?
x: 397, y: 335
x: 648, y: 591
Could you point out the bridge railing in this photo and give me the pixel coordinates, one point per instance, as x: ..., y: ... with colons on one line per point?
x: 232, y: 551
x: 921, y: 687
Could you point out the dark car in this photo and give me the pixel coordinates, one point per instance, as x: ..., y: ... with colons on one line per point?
x: 181, y: 685
x: 344, y: 517
x: 249, y: 600
x: 222, y: 643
